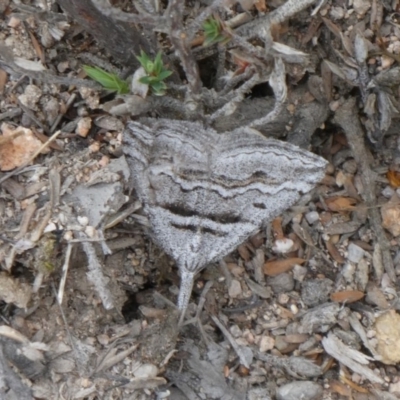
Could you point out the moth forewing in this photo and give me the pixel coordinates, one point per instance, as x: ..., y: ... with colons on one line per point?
x: 205, y: 193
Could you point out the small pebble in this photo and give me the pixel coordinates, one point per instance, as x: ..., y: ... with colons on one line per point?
x: 83, y: 126
x: 91, y: 231
x: 103, y: 339
x: 334, y: 105
x: 316, y: 291
x: 281, y: 283
x: 348, y: 272
x: 235, y: 331
x: 68, y: 235
x: 94, y: 147
x: 394, y: 387
x: 299, y: 272
x: 361, y: 7
x: 283, y: 298
x: 14, y: 22
x: 355, y: 253
x: 31, y: 96
x: 146, y: 371
x: 235, y: 289
x: 388, y: 192
x: 300, y: 390
x: 51, y: 227
x: 266, y: 343
x: 350, y: 166
x: 312, y: 217
x: 336, y: 13
x: 280, y: 343
x: 294, y: 309
x: 83, y: 221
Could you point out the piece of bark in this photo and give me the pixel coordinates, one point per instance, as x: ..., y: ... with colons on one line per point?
x: 10, y: 380
x: 351, y: 358
x: 305, y: 120
x: 121, y: 39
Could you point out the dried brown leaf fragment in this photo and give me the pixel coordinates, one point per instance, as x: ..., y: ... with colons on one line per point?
x: 20, y: 149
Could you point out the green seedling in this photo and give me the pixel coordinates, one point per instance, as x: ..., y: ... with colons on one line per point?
x: 156, y: 73
x: 106, y: 79
x: 215, y: 31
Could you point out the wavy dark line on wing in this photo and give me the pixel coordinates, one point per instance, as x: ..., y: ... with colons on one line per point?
x: 202, y: 230
x: 182, y: 211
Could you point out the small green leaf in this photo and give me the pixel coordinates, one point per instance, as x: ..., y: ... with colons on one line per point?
x: 158, y: 64
x: 215, y: 32
x: 150, y: 67
x: 108, y: 80
x: 159, y: 88
x: 143, y: 59
x: 164, y: 74
x: 146, y: 80
x: 156, y: 73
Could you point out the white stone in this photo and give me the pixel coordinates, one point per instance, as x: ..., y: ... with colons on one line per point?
x: 312, y: 217
x: 282, y: 246
x: 83, y: 220
x: 235, y: 289
x: 355, y: 253
x: 146, y: 371
x: 388, y: 192
x: 266, y: 343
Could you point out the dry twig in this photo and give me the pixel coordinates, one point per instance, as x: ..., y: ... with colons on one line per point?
x: 347, y: 117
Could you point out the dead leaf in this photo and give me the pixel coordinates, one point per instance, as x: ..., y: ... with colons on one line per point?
x: 346, y: 181
x: 354, y: 386
x: 257, y: 240
x: 273, y: 268
x: 13, y: 291
x: 340, y: 203
x: 311, y: 30
x: 197, y: 41
x: 3, y: 80
x: 348, y: 296
x: 6, y: 139
x: 37, y: 47
x: 285, y: 313
x: 242, y: 371
x: 244, y: 252
x: 277, y: 228
x: 260, y: 5
x: 19, y: 150
x: 340, y: 388
x: 326, y: 76
x: 393, y: 178
x: 334, y: 252
x: 296, y: 338
x: 391, y: 218
x: 332, y: 27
